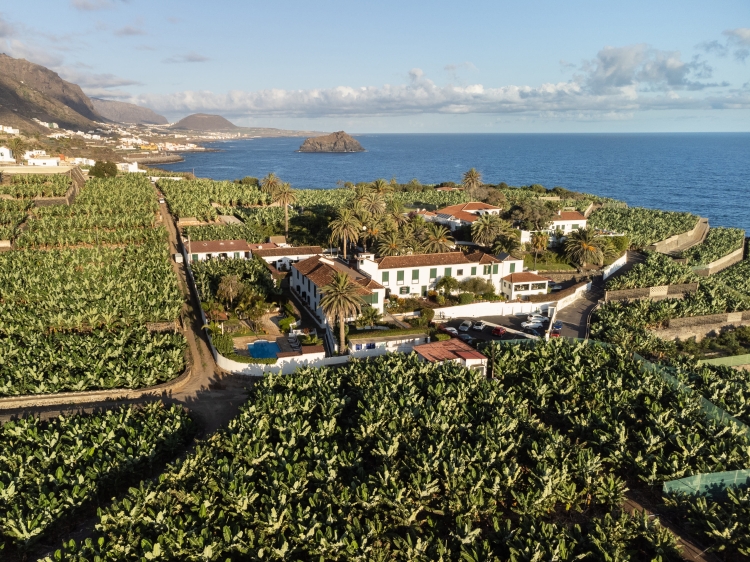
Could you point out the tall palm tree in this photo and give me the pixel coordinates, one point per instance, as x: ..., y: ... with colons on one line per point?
x: 340, y: 301
x: 438, y: 239
x: 374, y: 228
x: 487, y: 228
x: 381, y: 187
x: 270, y: 183
x: 345, y: 228
x: 539, y: 243
x: 18, y: 147
x: 506, y: 243
x: 471, y: 181
x: 390, y: 244
x: 396, y: 212
x: 285, y: 195
x: 583, y: 246
x: 373, y: 203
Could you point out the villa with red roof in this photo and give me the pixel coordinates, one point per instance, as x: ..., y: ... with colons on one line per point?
x: 462, y: 214
x: 564, y: 221
x: 523, y: 284
x: 453, y: 350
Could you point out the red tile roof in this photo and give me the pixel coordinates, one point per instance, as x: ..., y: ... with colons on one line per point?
x: 569, y: 216
x: 524, y: 277
x: 447, y: 350
x: 218, y: 246
x: 422, y: 260
x: 290, y: 251
x: 320, y: 271
x: 468, y: 207
x: 266, y: 246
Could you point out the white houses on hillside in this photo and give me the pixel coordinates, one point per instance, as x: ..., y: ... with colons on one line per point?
x: 460, y: 215
x: 414, y: 275
x: 308, y: 277
x: 48, y: 161
x: 564, y: 221
x: 6, y: 155
x: 282, y: 257
x: 523, y: 284
x: 217, y: 249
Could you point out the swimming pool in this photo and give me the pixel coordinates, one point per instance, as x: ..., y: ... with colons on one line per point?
x: 263, y: 349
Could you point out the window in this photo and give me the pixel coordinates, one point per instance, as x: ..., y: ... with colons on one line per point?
x: 371, y: 345
x: 315, y: 290
x: 415, y: 276
x: 459, y: 272
x: 494, y: 268
x: 195, y: 257
x: 399, y: 278
x: 487, y: 269
x: 575, y: 227
x: 524, y: 287
x: 385, y: 279
x: 512, y: 267
x: 357, y: 347
x: 433, y: 274
x: 537, y: 286
x: 403, y: 290
x: 236, y: 255
x: 473, y: 270
x: 448, y: 271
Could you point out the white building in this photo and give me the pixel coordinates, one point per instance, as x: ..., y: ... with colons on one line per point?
x: 460, y: 215
x: 380, y: 342
x: 82, y: 161
x: 217, y: 249
x: 6, y: 155
x: 34, y: 154
x: 414, y: 275
x: 453, y: 350
x: 523, y: 284
x: 49, y: 161
x: 129, y: 167
x: 9, y: 130
x: 283, y: 257
x: 564, y: 221
x: 309, y: 276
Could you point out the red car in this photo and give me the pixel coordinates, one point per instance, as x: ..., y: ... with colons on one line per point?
x: 554, y: 334
x: 499, y: 331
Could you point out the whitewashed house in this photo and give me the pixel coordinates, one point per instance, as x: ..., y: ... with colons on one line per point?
x: 282, y: 257
x: 380, y: 342
x: 453, y: 350
x: 9, y: 130
x: 129, y: 167
x: 564, y: 221
x: 34, y: 154
x: 217, y: 249
x: 456, y: 216
x: 49, y: 161
x: 414, y: 275
x: 6, y: 155
x: 523, y: 284
x: 308, y: 277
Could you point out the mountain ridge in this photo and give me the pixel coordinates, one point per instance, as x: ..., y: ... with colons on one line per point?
x: 204, y: 122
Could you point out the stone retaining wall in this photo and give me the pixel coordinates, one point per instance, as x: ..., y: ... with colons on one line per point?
x: 722, y: 263
x: 694, y: 236
x: 652, y: 293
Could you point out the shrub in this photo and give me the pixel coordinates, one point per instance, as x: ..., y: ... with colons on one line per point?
x: 224, y: 344
x: 440, y: 337
x: 465, y: 298
x: 427, y: 314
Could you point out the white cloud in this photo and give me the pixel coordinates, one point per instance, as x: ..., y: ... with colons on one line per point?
x: 6, y: 29
x: 92, y: 5
x: 741, y: 35
x: 129, y: 31
x: 189, y: 57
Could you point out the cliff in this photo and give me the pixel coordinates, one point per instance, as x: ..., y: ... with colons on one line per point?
x: 335, y: 142
x: 121, y: 112
x: 203, y: 122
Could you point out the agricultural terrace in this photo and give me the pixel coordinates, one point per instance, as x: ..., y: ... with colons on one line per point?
x: 719, y: 242
x: 657, y: 270
x: 643, y: 226
x: 28, y: 186
x: 51, y: 471
x: 12, y: 215
x: 75, y: 318
x: 194, y: 198
x: 326, y: 464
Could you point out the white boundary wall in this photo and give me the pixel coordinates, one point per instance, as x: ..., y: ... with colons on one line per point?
x: 479, y: 309
x: 615, y: 265
x: 565, y: 301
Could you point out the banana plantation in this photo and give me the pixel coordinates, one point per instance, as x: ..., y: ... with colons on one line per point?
x: 12, y: 214
x: 50, y: 471
x: 28, y: 186
x: 396, y: 459
x: 643, y: 226
x: 253, y: 233
x: 658, y: 269
x: 194, y: 198
x: 737, y: 277
x: 719, y: 242
x: 254, y: 273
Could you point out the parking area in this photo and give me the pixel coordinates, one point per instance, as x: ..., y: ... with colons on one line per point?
x: 511, y: 323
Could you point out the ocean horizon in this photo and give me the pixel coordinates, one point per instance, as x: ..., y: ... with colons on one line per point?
x: 704, y: 173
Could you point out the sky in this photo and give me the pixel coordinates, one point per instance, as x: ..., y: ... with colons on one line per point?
x: 405, y: 66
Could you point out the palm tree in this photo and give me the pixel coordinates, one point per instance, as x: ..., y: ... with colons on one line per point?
x: 369, y: 316
x: 539, y: 243
x: 270, y: 183
x: 487, y: 228
x: 583, y: 246
x: 340, y: 301
x: 373, y: 203
x: 396, y: 212
x: 471, y: 181
x: 381, y: 187
x: 438, y: 239
x: 390, y: 244
x: 18, y: 147
x: 346, y: 228
x: 285, y: 195
x: 374, y: 228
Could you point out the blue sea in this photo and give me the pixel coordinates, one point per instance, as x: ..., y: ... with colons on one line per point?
x: 704, y: 173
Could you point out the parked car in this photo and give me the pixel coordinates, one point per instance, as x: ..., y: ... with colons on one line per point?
x: 449, y: 330
x: 465, y: 326
x: 479, y: 326
x: 533, y: 332
x: 533, y: 325
x: 555, y: 287
x: 466, y: 338
x: 498, y: 331
x: 557, y: 325
x: 554, y: 334
x: 537, y: 318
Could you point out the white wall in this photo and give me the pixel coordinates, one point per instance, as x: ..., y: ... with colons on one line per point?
x: 480, y: 309
x: 562, y: 303
x: 615, y: 265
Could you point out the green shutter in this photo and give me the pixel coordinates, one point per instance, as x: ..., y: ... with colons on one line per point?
x: 385, y: 277
x: 473, y: 270
x: 236, y: 255
x: 494, y: 268
x: 448, y: 271
x: 399, y: 276
x: 415, y: 275
x: 195, y: 257
x: 433, y: 273
x: 374, y: 298
x: 512, y: 267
